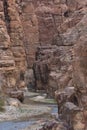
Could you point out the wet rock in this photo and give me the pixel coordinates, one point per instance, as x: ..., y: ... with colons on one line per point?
x: 41, y: 73
x: 13, y: 102
x: 30, y: 79
x: 16, y: 94
x: 53, y: 125
x: 68, y: 94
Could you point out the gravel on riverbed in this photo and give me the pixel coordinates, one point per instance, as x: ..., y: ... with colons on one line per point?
x: 23, y: 112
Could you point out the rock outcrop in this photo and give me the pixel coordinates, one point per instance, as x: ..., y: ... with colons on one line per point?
x: 12, y: 52
x: 54, y: 125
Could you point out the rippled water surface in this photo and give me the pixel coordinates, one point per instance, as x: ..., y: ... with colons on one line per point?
x: 10, y: 125
x: 20, y: 125
x: 14, y: 125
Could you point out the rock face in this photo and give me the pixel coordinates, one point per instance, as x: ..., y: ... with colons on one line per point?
x: 60, y: 26
x: 46, y: 37
x: 12, y: 52
x: 54, y: 125
x: 53, y: 55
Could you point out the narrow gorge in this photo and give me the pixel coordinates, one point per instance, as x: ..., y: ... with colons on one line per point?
x: 43, y: 49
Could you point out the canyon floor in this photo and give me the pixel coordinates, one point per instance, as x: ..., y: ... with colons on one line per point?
x: 31, y: 115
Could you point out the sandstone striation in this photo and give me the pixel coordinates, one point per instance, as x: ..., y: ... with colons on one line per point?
x: 12, y: 52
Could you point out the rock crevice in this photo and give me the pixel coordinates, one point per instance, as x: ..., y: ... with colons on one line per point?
x: 6, y: 14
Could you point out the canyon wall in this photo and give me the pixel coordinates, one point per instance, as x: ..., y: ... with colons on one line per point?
x: 52, y: 30
x: 12, y: 52
x: 41, y: 41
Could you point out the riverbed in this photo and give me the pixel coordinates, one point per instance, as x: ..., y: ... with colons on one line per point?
x: 29, y: 116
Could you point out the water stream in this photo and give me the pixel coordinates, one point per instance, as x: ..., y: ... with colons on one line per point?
x: 10, y: 125
x: 20, y: 125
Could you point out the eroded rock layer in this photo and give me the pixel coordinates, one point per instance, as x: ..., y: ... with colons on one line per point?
x: 12, y: 52
x: 43, y: 37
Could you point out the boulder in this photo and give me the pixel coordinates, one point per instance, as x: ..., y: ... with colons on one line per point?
x: 13, y: 102
x: 16, y: 94
x: 54, y: 125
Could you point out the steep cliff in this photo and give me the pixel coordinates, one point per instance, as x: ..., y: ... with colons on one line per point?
x: 12, y: 52
x: 40, y: 40
x: 53, y: 30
